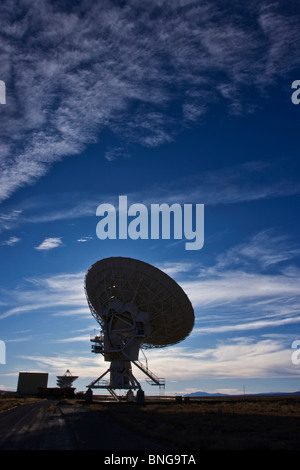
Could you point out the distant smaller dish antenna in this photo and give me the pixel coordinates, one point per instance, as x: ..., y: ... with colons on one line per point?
x: 66, y: 380
x: 138, y: 306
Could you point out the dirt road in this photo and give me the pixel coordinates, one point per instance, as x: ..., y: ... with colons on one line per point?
x: 50, y: 425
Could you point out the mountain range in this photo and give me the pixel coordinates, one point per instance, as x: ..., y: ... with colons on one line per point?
x: 205, y: 394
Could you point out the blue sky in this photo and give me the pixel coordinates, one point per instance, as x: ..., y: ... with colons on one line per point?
x: 161, y: 101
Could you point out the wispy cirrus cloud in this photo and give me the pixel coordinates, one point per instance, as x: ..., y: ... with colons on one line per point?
x: 262, y: 251
x: 44, y: 209
x: 235, y: 358
x: 250, y: 181
x: 70, y: 74
x: 11, y: 241
x: 9, y: 218
x: 58, y: 294
x: 252, y: 286
x: 238, y: 357
x: 239, y: 291
x: 238, y: 301
x: 84, y: 239
x: 58, y: 364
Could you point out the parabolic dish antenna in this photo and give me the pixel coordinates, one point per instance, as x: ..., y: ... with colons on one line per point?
x: 137, y: 306
x: 66, y: 380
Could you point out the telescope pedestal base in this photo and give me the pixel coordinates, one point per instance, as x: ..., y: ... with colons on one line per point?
x: 121, y: 377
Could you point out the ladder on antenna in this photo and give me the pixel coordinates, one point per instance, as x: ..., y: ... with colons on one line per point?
x: 113, y: 394
x: 153, y: 379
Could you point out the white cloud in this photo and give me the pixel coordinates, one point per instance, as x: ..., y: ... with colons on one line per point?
x: 174, y: 268
x: 84, y: 239
x: 252, y: 286
x: 8, y: 219
x: 61, y: 294
x: 83, y: 366
x: 265, y: 249
x: 75, y: 339
x: 11, y: 241
x: 235, y: 358
x: 49, y: 244
x: 239, y: 286
x: 116, y: 152
x: 251, y: 325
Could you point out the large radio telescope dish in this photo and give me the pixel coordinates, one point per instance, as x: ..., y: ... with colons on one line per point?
x: 171, y: 315
x: 137, y: 305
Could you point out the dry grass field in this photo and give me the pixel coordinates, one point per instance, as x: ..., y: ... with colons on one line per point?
x: 8, y: 403
x: 258, y: 423
x: 236, y: 424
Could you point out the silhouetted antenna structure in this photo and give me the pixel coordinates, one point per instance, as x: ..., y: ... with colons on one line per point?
x: 66, y: 380
x: 137, y: 306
